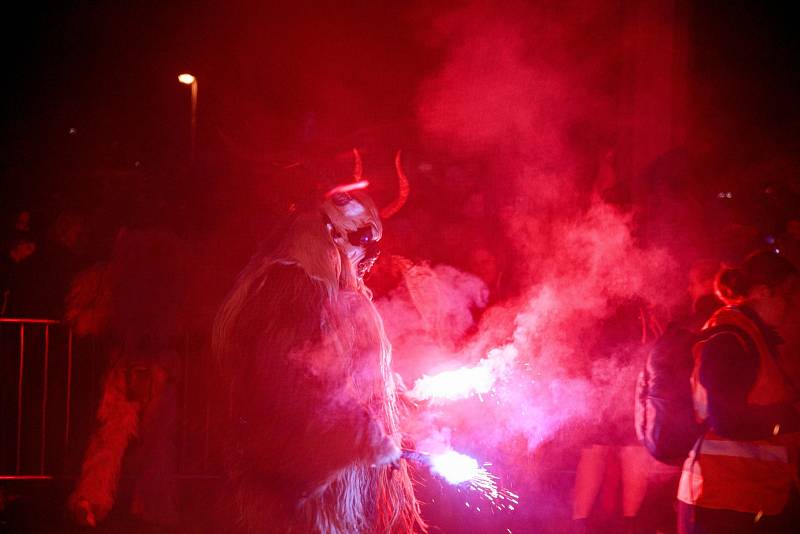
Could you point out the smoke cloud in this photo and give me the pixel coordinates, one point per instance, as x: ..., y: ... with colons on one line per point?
x: 528, y: 91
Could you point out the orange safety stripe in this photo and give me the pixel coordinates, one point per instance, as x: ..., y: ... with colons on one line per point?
x: 736, y: 483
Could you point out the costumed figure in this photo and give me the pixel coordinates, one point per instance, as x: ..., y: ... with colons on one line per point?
x: 314, y: 444
x: 134, y: 300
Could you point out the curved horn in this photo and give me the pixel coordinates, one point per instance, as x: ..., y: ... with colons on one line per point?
x: 402, y: 193
x: 358, y: 166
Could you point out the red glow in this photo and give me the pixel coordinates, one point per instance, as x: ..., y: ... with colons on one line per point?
x: 346, y: 188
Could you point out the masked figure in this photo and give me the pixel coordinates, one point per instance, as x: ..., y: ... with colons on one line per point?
x: 133, y: 301
x: 314, y: 444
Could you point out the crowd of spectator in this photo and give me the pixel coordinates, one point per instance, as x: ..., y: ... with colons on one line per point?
x: 42, y: 254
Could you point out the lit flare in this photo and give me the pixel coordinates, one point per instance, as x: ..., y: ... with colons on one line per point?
x: 465, y: 381
x: 461, y: 470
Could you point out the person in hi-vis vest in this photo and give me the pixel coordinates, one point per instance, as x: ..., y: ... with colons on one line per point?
x: 741, y: 475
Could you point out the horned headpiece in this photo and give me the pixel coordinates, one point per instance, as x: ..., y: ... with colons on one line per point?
x: 354, y: 221
x: 351, y: 220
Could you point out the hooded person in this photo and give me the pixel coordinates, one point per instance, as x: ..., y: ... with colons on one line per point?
x: 314, y: 443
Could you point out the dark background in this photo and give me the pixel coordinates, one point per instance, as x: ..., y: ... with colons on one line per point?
x: 275, y: 74
x: 93, y: 121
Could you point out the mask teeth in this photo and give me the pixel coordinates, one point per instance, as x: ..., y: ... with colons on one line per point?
x: 366, y: 264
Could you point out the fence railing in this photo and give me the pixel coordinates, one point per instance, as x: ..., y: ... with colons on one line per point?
x: 45, y: 424
x: 15, y: 347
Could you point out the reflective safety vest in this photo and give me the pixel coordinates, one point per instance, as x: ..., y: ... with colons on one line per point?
x: 745, y: 476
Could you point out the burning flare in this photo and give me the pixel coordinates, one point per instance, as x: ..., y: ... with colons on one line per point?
x: 461, y: 470
x: 465, y: 381
x: 455, y: 467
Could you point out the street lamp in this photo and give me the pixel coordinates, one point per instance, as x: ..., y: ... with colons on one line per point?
x: 188, y: 79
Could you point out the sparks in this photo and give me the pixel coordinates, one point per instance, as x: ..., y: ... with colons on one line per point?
x: 485, y: 483
x: 464, y: 471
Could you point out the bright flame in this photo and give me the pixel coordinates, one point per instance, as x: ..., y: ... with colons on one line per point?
x: 453, y: 385
x: 465, y: 381
x: 460, y: 469
x: 454, y: 467
x: 186, y: 78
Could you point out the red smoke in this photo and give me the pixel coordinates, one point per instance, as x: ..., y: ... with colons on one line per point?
x: 529, y: 92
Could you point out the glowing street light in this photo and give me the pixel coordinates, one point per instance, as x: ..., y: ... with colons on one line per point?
x: 188, y: 79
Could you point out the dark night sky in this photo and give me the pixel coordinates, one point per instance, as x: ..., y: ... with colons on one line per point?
x: 109, y: 72
x: 270, y: 70
x: 744, y: 61
x: 107, y: 68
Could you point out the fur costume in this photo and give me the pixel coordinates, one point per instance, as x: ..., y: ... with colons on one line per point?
x: 134, y: 299
x: 314, y: 440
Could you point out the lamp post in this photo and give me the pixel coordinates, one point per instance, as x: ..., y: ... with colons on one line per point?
x: 188, y: 79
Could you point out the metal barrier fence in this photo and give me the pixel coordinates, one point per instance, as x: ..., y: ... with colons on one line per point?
x: 45, y: 425
x: 42, y: 329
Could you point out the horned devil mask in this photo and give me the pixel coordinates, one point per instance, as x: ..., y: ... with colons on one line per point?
x: 355, y: 228
x: 354, y: 222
